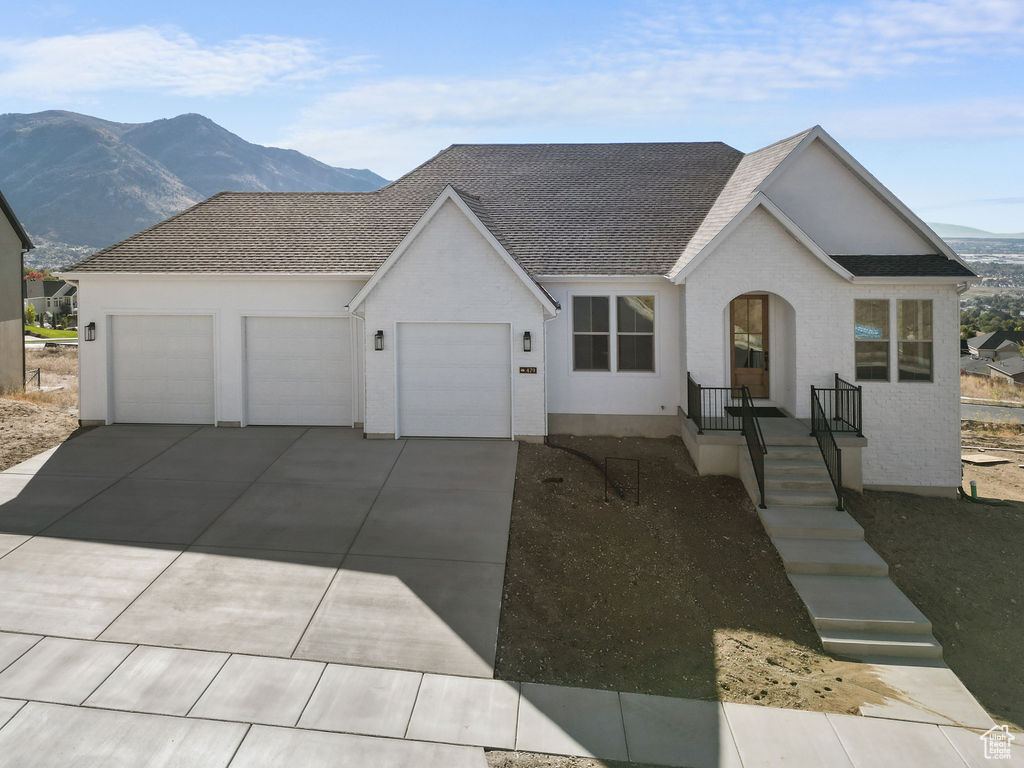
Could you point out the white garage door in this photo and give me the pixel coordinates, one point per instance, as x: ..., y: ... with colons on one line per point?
x: 454, y: 380
x: 299, y: 371
x: 162, y: 369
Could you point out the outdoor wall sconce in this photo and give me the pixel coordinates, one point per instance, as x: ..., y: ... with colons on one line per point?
x: 378, y: 341
x: 90, y: 332
x: 527, y: 342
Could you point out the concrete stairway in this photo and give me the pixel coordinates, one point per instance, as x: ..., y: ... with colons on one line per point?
x: 854, y: 606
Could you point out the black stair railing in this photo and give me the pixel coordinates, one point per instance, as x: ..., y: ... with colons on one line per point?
x: 821, y: 429
x: 713, y: 408
x: 755, y: 439
x: 842, y: 406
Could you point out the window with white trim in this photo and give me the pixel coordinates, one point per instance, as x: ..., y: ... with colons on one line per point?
x: 590, y: 333
x: 634, y: 317
x: 914, y: 323
x: 871, y: 339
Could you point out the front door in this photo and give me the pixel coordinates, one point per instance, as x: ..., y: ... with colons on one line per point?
x: 749, y: 338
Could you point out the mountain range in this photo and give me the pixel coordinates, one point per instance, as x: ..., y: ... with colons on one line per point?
x: 959, y: 232
x: 78, y: 183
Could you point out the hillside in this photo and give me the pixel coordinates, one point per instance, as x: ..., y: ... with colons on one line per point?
x: 958, y: 231
x: 79, y: 183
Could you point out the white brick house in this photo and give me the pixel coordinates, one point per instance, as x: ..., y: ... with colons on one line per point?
x: 520, y: 290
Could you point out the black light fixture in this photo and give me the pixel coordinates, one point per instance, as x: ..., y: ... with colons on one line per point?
x: 378, y: 341
x: 527, y: 342
x: 90, y: 332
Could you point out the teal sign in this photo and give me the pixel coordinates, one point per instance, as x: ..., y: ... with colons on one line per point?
x: 867, y: 332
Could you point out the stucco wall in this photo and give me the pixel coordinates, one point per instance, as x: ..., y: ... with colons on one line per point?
x: 838, y: 211
x: 451, y: 273
x: 615, y: 392
x: 12, y: 347
x: 228, y: 299
x: 913, y: 428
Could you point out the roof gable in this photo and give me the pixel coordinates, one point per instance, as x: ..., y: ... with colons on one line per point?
x: 19, y: 230
x: 476, y: 216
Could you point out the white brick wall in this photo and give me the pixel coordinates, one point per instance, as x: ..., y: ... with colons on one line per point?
x: 451, y: 273
x: 912, y: 428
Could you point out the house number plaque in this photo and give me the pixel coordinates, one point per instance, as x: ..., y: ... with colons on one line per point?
x: 527, y: 369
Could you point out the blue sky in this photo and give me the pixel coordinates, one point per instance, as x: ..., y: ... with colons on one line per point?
x: 928, y: 94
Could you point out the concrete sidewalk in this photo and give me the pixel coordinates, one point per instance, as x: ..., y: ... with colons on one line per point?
x: 99, y: 704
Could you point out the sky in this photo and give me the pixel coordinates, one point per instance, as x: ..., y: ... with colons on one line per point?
x: 927, y: 94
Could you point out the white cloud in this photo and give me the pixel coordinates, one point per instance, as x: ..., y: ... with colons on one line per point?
x: 147, y: 58
x: 670, y: 67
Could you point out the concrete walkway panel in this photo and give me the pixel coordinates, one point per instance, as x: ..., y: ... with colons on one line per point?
x: 9, y: 542
x: 29, y: 504
x: 266, y: 747
x: 74, y: 588
x: 402, y: 613
x: 60, y: 670
x: 13, y: 646
x: 245, y: 601
x: 929, y: 693
x: 570, y: 721
x: 155, y: 511
x: 464, y: 710
x: 892, y: 744
x: 253, y: 689
x: 770, y: 738
x: 8, y: 709
x: 376, y: 702
x: 971, y: 749
x: 303, y: 518
x: 438, y: 524
x: 468, y: 465
x: 314, y: 459
x: 164, y: 681
x: 50, y: 735
x: 679, y: 732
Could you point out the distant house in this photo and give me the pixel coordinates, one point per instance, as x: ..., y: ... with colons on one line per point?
x: 51, y: 296
x: 995, y: 344
x: 13, y: 243
x: 977, y: 366
x: 1010, y: 369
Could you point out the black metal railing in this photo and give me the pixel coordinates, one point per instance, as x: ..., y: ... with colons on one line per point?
x: 842, y: 406
x: 714, y: 408
x: 821, y: 429
x: 755, y: 439
x: 33, y: 374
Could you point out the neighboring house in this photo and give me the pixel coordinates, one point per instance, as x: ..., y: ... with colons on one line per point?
x: 974, y: 365
x: 995, y: 344
x: 14, y: 242
x: 51, y: 296
x: 519, y: 290
x: 1009, y: 369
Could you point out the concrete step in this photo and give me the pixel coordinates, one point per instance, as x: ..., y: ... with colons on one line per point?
x: 871, y: 644
x: 810, y: 523
x: 841, y: 558
x: 797, y: 466
x: 781, y: 497
x: 804, y: 452
x: 806, y: 482
x: 859, y: 603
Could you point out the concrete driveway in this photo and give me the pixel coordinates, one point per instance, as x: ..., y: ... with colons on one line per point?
x: 274, y: 541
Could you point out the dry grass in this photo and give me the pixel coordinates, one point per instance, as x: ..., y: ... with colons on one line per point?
x: 59, y: 368
x: 989, y: 388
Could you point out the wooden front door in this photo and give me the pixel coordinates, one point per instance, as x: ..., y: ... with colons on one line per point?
x: 748, y: 317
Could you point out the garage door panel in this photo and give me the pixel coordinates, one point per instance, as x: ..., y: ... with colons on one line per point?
x: 454, y: 379
x: 299, y: 371
x: 162, y: 369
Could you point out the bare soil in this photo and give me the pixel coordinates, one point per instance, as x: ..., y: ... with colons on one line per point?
x: 34, y: 420
x: 681, y: 595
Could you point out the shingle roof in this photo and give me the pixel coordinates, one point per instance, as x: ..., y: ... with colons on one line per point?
x: 1011, y: 366
x: 557, y: 208
x: 738, y: 191
x: 923, y: 265
x: 995, y: 339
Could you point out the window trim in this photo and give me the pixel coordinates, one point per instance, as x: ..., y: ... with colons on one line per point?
x: 887, y: 340
x: 573, y: 333
x: 641, y: 289
x: 930, y: 342
x: 651, y: 333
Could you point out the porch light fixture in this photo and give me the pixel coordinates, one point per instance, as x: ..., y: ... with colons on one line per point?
x: 527, y: 342
x: 90, y: 332
x: 378, y: 341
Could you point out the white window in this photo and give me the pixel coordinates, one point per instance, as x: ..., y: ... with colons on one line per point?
x: 635, y: 324
x: 592, y: 321
x: 914, y: 322
x: 590, y: 333
x: 871, y: 339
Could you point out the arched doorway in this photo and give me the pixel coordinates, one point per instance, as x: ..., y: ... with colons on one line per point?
x: 749, y: 336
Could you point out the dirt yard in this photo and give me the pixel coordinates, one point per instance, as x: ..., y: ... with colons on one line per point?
x: 681, y: 595
x: 35, y: 420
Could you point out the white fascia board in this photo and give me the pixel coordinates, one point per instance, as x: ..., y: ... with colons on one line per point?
x: 817, y: 133
x: 449, y: 193
x: 760, y: 200
x: 582, y: 278
x: 76, y: 276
